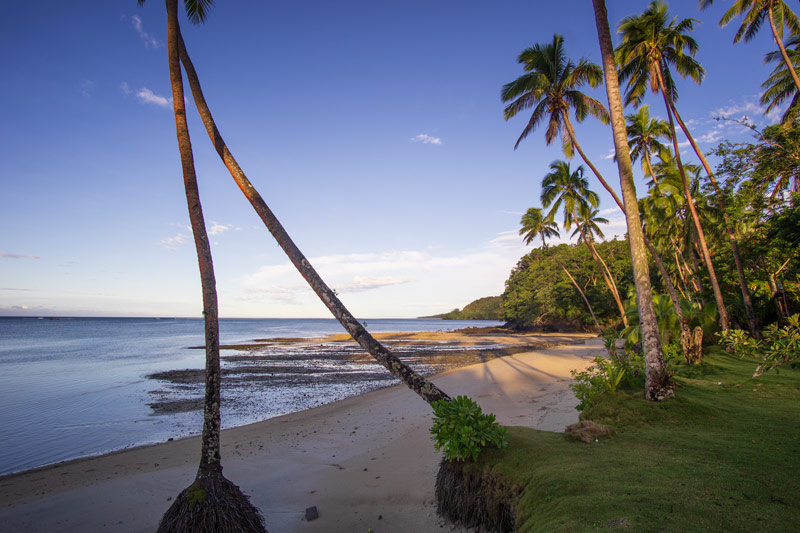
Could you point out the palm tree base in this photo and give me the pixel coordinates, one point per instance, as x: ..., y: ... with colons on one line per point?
x: 658, y: 387
x: 212, y: 504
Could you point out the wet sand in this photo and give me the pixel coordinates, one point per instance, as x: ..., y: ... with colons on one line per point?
x: 364, y: 462
x: 302, y: 368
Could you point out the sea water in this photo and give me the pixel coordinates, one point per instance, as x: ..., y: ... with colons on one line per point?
x: 74, y: 387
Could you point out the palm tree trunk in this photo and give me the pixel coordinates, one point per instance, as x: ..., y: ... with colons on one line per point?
x: 427, y: 390
x: 663, y: 271
x: 649, y: 167
x: 659, y: 263
x: 774, y: 293
x: 698, y: 282
x: 606, y: 276
x: 723, y: 312
x: 583, y: 295
x: 779, y: 42
x: 657, y: 386
x: 685, y: 289
x: 737, y: 256
x: 210, y: 455
x: 586, y: 160
x: 676, y: 302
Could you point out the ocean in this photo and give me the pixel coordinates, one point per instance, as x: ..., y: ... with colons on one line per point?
x: 76, y: 387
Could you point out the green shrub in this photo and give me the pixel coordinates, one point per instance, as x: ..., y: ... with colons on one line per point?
x: 461, y: 430
x: 673, y: 353
x: 605, y: 376
x: 779, y: 346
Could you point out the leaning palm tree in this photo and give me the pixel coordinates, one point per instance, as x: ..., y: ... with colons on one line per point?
x: 657, y: 382
x: 780, y: 86
x: 535, y: 225
x: 211, y: 502
x: 644, y: 136
x: 569, y: 191
x: 753, y: 13
x: 651, y: 44
x: 424, y: 388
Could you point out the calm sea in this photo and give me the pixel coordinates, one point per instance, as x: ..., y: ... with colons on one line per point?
x: 74, y: 387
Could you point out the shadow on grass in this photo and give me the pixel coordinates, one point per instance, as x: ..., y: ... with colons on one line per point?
x: 724, y: 455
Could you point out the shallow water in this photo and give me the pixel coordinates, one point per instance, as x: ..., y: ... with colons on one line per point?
x: 74, y: 387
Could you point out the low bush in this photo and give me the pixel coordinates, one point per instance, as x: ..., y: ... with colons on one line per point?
x: 779, y: 345
x: 605, y: 376
x: 461, y: 429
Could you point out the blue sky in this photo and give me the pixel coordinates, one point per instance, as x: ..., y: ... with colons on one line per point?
x: 374, y: 131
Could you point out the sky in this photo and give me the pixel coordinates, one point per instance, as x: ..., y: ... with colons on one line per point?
x: 374, y: 131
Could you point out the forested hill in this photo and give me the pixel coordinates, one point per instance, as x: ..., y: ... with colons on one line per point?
x: 488, y: 308
x: 539, y: 290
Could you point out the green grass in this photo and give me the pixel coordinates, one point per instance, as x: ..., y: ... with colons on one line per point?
x: 724, y: 455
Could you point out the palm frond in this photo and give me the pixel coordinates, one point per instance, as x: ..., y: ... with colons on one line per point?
x: 197, y: 10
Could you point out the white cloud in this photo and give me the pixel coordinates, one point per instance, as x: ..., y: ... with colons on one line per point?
x: 17, y: 256
x: 146, y: 96
x: 414, y: 281
x: 611, y: 211
x: 610, y: 155
x: 218, y: 229
x: 361, y: 284
x: 712, y: 136
x: 750, y: 108
x: 149, y: 40
x: 734, y: 109
x: 170, y: 243
x: 125, y: 88
x: 425, y: 139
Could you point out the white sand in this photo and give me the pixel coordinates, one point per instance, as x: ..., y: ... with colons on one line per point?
x: 364, y: 462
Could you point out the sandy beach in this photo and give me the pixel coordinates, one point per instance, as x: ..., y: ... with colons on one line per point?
x: 366, y: 462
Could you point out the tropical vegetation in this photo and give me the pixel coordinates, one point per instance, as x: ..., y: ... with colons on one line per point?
x: 711, y: 250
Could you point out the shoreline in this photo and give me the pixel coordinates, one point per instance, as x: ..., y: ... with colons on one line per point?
x: 300, y: 459
x: 441, y: 358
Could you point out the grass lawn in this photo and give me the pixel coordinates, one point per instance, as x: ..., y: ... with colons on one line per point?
x: 724, y: 455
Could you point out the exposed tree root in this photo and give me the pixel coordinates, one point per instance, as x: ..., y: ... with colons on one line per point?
x: 475, y: 498
x: 212, y: 504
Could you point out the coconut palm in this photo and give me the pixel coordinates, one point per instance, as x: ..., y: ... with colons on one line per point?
x: 586, y: 225
x: 211, y: 502
x: 644, y: 136
x: 657, y: 383
x: 651, y: 44
x: 551, y: 86
x: 535, y: 225
x: 780, y: 86
x: 569, y: 191
x: 753, y: 13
